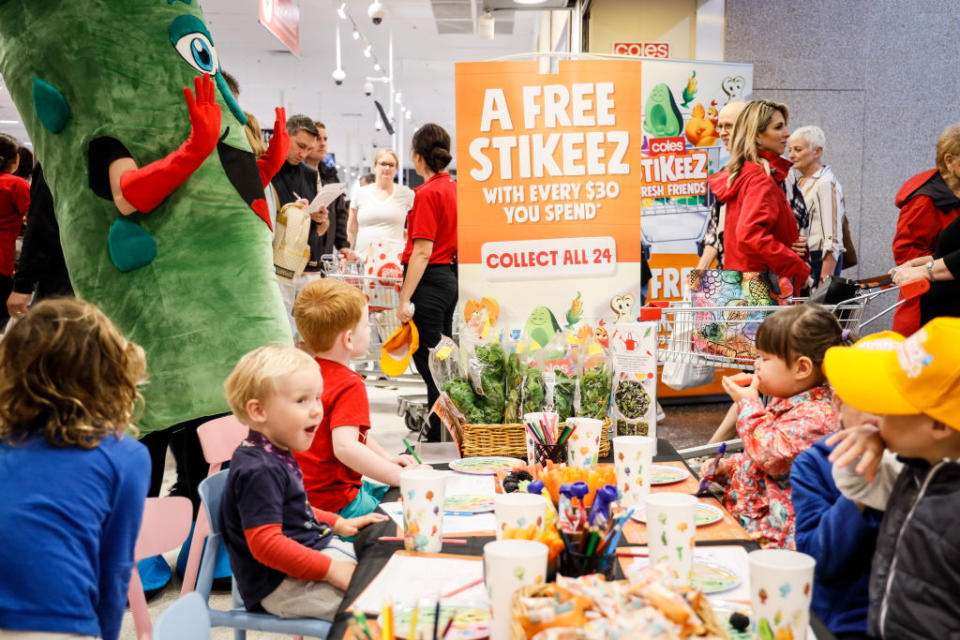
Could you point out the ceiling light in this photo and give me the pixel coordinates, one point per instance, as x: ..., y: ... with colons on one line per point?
x: 377, y: 67
x: 368, y: 50
x: 529, y: 1
x: 9, y: 122
x: 342, y: 11
x: 398, y: 97
x: 485, y: 26
x: 339, y: 76
x: 356, y: 34
x: 407, y: 114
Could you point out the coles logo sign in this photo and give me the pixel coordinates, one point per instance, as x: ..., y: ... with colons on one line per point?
x: 642, y: 49
x: 660, y: 146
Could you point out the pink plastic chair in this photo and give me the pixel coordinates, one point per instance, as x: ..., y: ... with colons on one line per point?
x: 166, y: 524
x: 218, y: 439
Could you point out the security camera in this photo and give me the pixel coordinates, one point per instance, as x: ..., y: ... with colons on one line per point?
x: 377, y: 11
x: 339, y: 76
x: 368, y: 88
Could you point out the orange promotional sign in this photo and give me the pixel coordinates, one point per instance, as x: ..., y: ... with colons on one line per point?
x: 549, y: 183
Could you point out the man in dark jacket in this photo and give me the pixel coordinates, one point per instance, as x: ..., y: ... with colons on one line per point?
x: 335, y: 239
x: 913, y: 384
x: 297, y: 182
x: 41, y: 267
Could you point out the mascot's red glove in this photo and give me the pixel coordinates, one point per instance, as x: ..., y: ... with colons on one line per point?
x: 271, y: 161
x: 147, y: 187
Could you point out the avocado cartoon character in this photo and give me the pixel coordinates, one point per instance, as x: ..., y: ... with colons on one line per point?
x: 182, y: 263
x: 661, y: 116
x: 541, y: 326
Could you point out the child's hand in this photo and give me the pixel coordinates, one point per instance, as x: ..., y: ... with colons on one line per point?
x: 340, y: 573
x: 863, y: 442
x: 405, y: 460
x: 346, y: 527
x: 738, y: 393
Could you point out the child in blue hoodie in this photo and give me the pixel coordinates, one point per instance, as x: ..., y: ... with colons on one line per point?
x: 838, y: 532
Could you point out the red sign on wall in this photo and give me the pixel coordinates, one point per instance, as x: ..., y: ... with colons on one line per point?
x: 642, y: 49
x: 282, y: 19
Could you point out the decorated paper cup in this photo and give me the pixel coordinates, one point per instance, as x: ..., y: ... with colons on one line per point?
x: 518, y: 510
x: 671, y: 530
x: 632, y: 457
x: 422, y: 491
x: 781, y: 584
x: 509, y: 565
x: 583, y: 445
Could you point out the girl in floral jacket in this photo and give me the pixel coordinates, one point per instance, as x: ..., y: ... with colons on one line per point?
x: 790, y: 347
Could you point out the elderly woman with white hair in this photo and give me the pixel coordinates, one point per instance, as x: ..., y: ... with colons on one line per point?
x: 824, y: 199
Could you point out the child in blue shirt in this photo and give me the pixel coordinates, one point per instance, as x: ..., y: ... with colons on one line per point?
x: 72, y: 485
x: 839, y: 533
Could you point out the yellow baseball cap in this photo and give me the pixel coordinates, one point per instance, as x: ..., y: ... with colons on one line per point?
x: 888, y: 374
x: 399, y: 347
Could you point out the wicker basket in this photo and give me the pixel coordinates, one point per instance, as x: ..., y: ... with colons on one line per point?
x: 493, y: 440
x: 509, y: 440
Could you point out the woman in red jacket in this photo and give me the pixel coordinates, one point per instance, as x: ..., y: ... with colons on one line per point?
x: 14, y: 202
x: 760, y: 230
x: 928, y: 202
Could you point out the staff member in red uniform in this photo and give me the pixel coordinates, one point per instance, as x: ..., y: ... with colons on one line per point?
x: 928, y: 202
x: 429, y: 259
x: 14, y: 202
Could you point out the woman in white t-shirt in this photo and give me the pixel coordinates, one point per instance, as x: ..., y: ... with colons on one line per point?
x: 380, y: 208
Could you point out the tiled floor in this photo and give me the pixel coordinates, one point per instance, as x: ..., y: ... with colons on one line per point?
x: 685, y: 426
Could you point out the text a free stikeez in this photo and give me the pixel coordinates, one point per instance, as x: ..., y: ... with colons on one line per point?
x: 582, y: 154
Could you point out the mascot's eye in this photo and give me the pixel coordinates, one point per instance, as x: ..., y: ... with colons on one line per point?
x: 199, y: 53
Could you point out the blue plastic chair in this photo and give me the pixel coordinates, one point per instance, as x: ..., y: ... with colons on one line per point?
x: 185, y: 619
x: 238, y: 618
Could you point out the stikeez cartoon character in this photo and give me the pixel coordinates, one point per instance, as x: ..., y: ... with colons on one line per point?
x: 158, y: 196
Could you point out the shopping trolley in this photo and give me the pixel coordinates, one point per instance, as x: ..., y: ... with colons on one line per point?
x: 726, y: 336
x: 382, y: 289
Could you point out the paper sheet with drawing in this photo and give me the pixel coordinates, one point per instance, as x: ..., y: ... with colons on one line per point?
x: 407, y: 578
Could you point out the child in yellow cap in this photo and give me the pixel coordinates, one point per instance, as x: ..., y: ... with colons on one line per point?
x: 913, y: 384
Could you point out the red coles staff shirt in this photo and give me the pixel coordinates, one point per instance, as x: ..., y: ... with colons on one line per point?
x: 14, y: 202
x: 330, y: 484
x: 434, y: 217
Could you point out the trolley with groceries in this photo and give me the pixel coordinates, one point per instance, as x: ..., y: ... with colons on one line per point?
x: 695, y: 340
x: 382, y: 289
x: 725, y: 336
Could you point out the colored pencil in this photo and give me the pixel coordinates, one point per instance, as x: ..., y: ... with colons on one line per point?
x: 446, y: 628
x: 386, y: 627
x: 413, y: 621
x: 412, y: 452
x: 362, y: 620
x: 632, y: 554
x: 463, y: 588
x: 619, y: 529
x: 436, y: 619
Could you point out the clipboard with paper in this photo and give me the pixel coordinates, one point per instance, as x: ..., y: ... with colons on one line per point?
x: 325, y: 196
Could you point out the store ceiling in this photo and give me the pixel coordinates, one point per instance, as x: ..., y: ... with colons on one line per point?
x: 429, y: 36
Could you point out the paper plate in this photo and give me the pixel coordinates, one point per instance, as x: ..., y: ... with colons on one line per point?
x: 485, y: 466
x: 468, y: 503
x: 706, y: 514
x: 662, y: 474
x: 471, y: 621
x: 710, y: 577
x: 723, y: 609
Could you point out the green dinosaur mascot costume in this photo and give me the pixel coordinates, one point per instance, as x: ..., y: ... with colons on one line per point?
x: 176, y: 251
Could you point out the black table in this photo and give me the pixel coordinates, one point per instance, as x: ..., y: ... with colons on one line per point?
x: 373, y: 554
